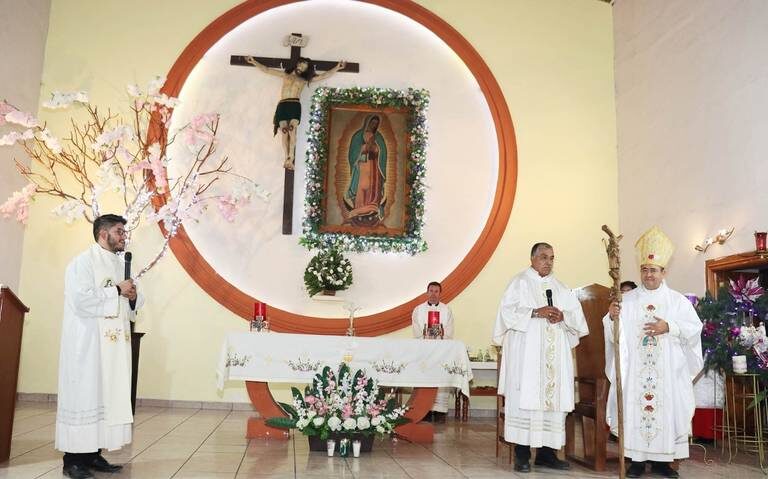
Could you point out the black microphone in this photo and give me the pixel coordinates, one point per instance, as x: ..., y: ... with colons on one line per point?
x: 549, y: 297
x: 128, y: 257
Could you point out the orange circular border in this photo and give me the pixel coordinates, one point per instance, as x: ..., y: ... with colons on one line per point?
x: 396, y: 318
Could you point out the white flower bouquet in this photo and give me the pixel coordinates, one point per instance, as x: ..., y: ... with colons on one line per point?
x: 328, y: 270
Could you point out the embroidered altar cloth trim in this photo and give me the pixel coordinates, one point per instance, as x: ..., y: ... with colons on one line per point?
x: 296, y: 358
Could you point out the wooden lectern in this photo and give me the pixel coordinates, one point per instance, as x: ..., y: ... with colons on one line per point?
x: 12, y: 312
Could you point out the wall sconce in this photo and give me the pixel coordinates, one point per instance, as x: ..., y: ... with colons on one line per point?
x: 721, y: 237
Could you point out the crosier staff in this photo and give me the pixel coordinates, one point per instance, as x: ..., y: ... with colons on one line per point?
x: 614, y: 271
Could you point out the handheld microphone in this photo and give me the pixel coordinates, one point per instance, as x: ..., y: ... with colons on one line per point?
x: 128, y: 256
x: 549, y: 297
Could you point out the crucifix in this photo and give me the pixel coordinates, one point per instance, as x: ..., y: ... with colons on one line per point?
x: 296, y: 72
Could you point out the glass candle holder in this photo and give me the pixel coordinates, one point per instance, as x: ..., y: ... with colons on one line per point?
x: 760, y: 241
x: 356, y: 448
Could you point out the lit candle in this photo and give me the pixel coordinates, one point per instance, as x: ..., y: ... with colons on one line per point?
x: 433, y: 318
x: 259, y: 309
x: 760, y: 240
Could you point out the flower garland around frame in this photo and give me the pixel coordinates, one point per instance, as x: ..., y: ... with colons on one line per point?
x: 417, y: 101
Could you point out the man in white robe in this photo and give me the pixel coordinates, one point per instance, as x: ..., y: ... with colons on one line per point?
x: 660, y: 345
x: 536, y: 376
x: 419, y: 321
x: 94, y: 403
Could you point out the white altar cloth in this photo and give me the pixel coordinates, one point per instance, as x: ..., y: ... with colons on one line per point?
x: 296, y: 358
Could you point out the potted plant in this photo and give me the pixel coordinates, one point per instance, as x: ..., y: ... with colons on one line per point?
x: 341, y: 405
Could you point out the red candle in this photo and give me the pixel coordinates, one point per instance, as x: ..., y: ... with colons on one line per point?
x: 259, y: 309
x: 433, y: 318
x: 760, y: 240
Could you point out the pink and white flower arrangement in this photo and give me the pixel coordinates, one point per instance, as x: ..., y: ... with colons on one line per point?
x: 342, y: 403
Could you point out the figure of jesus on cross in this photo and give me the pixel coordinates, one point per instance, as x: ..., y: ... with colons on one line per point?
x: 288, y: 112
x: 296, y: 72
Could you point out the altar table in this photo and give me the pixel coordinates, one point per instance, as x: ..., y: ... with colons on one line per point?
x: 261, y: 358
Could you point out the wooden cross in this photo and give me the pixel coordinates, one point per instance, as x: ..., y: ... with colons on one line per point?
x: 296, y: 41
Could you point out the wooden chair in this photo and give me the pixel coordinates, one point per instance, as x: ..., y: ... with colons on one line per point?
x: 500, y: 442
x: 592, y: 385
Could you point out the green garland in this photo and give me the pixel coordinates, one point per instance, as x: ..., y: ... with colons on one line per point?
x: 416, y: 101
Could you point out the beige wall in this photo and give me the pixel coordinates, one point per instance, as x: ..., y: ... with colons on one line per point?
x: 554, y: 61
x: 691, y: 104
x: 23, y: 28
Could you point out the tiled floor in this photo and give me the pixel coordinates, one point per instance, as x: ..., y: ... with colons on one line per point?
x: 201, y: 443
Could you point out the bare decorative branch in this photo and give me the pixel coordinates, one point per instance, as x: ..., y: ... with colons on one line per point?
x: 109, y: 157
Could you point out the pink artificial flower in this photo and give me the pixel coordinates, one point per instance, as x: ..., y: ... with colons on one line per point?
x: 5, y: 108
x: 157, y: 167
x: 18, y: 204
x: 21, y: 118
x: 139, y: 165
x: 227, y: 207
x: 745, y: 291
x: 310, y: 399
x: 346, y: 411
x: 200, y: 129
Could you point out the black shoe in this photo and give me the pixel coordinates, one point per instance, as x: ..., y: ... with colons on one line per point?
x: 100, y: 464
x: 551, y: 461
x: 664, y: 469
x: 77, y: 471
x: 523, y: 466
x: 636, y: 469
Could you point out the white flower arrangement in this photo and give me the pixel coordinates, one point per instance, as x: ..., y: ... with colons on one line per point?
x: 328, y: 270
x: 342, y: 403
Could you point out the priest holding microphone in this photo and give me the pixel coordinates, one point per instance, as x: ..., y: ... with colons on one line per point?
x: 539, y: 321
x: 94, y: 396
x: 426, y: 315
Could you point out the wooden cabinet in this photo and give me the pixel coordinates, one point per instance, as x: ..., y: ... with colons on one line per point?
x: 751, y: 264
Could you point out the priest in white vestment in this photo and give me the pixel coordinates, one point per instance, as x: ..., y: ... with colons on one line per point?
x: 418, y: 322
x: 94, y: 395
x: 660, y: 345
x: 536, y: 376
